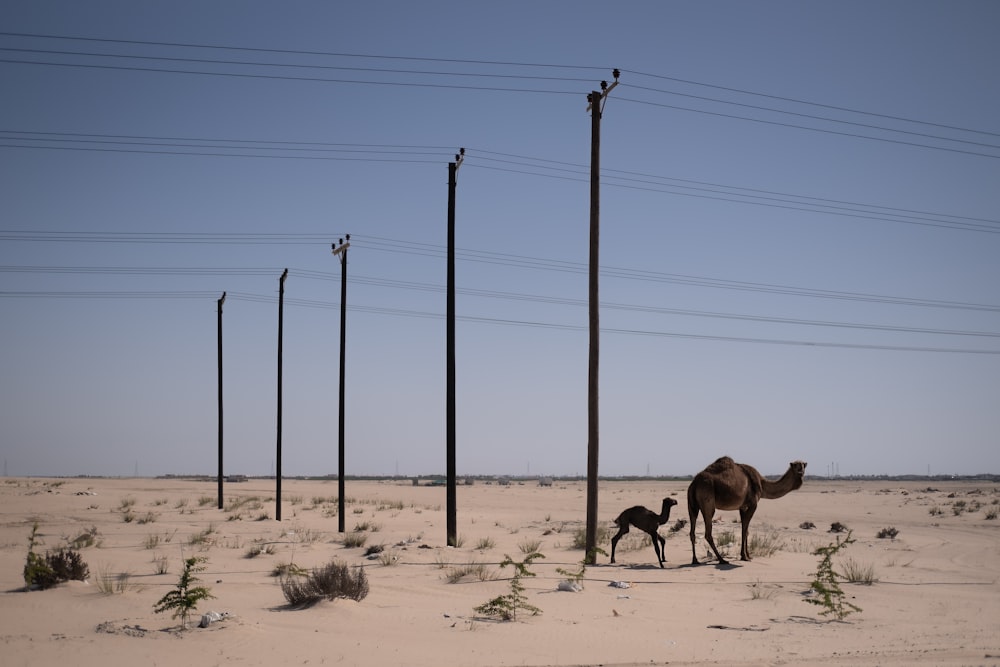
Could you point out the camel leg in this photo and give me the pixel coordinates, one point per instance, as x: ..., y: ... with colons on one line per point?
x: 708, y: 536
x: 693, y: 519
x: 663, y: 548
x: 745, y: 515
x: 614, y: 540
x: 656, y: 547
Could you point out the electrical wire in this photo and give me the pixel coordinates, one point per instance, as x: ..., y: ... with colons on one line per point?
x: 486, y: 159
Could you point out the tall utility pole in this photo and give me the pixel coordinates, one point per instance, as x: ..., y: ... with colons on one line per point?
x: 342, y: 251
x: 452, y: 491
x: 597, y: 100
x: 221, y: 301
x: 281, y: 325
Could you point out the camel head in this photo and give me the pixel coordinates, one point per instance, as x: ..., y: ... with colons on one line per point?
x: 798, y: 467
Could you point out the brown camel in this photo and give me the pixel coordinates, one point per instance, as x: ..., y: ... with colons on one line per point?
x: 647, y: 521
x: 727, y: 485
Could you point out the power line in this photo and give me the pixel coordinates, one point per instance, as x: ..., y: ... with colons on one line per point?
x: 780, y: 200
x: 274, y: 77
x: 370, y: 70
x: 809, y: 103
x: 429, y: 287
x: 481, y: 74
x: 384, y: 244
x: 484, y: 159
x: 506, y: 259
x: 396, y: 312
x: 305, y: 52
x: 853, y: 135
x: 825, y: 119
x: 585, y: 71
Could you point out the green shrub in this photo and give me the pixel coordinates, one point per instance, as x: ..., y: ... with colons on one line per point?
x: 54, y: 567
x: 184, y: 599
x: 825, y: 584
x: 505, y: 606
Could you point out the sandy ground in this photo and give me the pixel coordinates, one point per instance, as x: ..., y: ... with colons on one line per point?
x: 936, y: 599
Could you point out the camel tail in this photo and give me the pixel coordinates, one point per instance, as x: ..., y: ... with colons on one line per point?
x: 693, y: 507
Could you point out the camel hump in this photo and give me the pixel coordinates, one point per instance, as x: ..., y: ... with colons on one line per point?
x: 720, y: 464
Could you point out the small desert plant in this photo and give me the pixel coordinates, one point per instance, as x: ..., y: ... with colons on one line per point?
x: 506, y: 606
x: 825, y: 584
x: 308, y: 536
x: 205, y: 500
x: 258, y: 549
x: 112, y: 583
x: 53, y: 568
x: 725, y: 540
x: 148, y: 517
x: 580, y: 537
x: 203, y: 538
x: 576, y: 576
x: 152, y: 541
x: 160, y: 565
x: 355, y: 539
x: 765, y: 543
x: 837, y: 527
x: 760, y: 592
x: 807, y: 525
x: 289, y: 570
x: 935, y: 511
x: 184, y: 599
x: 480, y: 571
x: 991, y: 514
x: 677, y: 526
x: 958, y: 507
x: 528, y: 546
x: 858, y: 573
x: 87, y: 538
x: 485, y: 543
x: 458, y: 542
x: 890, y: 532
x: 334, y: 580
x: 67, y: 565
x: 388, y: 558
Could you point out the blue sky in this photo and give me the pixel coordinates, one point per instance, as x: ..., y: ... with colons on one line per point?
x: 799, y: 234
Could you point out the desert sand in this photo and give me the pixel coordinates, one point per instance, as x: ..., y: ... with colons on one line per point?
x: 935, y: 599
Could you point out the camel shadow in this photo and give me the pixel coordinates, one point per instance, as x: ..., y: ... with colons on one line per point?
x: 725, y: 567
x: 637, y: 566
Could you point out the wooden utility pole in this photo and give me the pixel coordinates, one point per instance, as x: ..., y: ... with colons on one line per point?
x: 596, y: 99
x: 450, y: 430
x: 281, y: 324
x: 342, y: 251
x: 221, y: 301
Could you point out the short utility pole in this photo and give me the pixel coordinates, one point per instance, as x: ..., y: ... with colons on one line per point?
x: 281, y: 324
x: 222, y: 300
x: 342, y: 251
x: 450, y: 469
x: 597, y: 100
